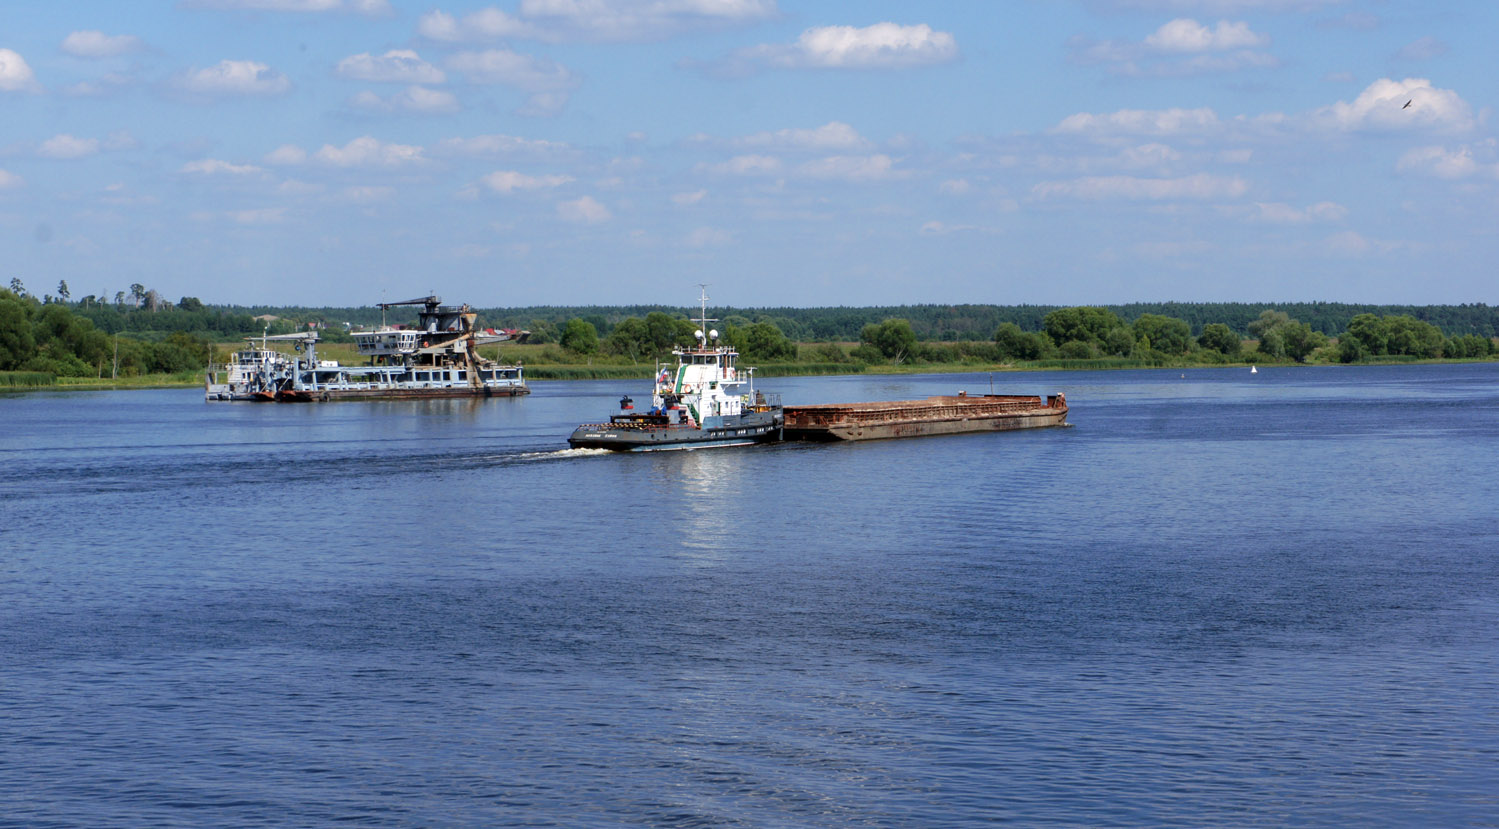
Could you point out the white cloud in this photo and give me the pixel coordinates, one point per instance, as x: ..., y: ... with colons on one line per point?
x: 584, y: 211
x: 1148, y: 155
x: 849, y: 168
x: 547, y: 81
x: 416, y: 99
x: 105, y: 84
x: 213, y: 166
x: 1448, y: 164
x: 234, y: 77
x: 1281, y: 213
x: 744, y: 165
x: 704, y: 237
x: 499, y: 144
x: 834, y: 135
x: 688, y: 199
x: 15, y: 73
x: 296, y: 187
x: 502, y: 66
x: 508, y: 181
x: 1187, y: 35
x: 1223, y: 6
x: 369, y: 152
x: 1098, y: 188
x: 593, y: 20
x: 66, y: 146
x: 880, y: 46
x: 1348, y: 243
x: 1182, y: 47
x: 367, y: 194
x: 936, y: 228
x: 484, y: 24
x: 1141, y: 122
x: 1424, y: 48
x: 395, y: 66
x: 92, y: 43
x: 371, y: 8
x: 954, y: 187
x: 286, y: 154
x: 1381, y: 107
x: 9, y: 180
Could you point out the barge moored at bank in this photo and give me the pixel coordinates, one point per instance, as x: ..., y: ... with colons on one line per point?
x: 942, y: 415
x: 438, y: 358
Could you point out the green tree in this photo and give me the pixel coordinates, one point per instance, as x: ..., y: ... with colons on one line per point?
x: 580, y: 336
x: 632, y: 338
x: 893, y: 337
x: 1168, y: 335
x: 1220, y: 338
x: 190, y: 303
x: 1408, y: 335
x: 1083, y: 323
x: 1078, y: 350
x: 1120, y: 342
x: 17, y: 344
x: 763, y: 341
x: 1300, y: 340
x: 62, y: 290
x: 1369, y: 332
x: 1351, y: 349
x: 1016, y: 344
x: 1268, y: 321
x: 1281, y: 336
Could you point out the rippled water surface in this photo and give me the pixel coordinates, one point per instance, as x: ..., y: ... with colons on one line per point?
x: 1216, y: 599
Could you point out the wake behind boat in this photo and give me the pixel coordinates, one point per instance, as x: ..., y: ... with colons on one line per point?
x: 436, y: 359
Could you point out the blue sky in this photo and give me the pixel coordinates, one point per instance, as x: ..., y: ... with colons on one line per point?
x: 787, y: 152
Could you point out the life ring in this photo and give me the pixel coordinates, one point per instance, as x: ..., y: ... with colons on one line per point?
x: 425, y: 343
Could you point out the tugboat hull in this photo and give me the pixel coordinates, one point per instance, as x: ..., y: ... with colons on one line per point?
x: 756, y: 427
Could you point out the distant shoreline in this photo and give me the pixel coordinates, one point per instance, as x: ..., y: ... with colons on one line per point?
x: 565, y: 373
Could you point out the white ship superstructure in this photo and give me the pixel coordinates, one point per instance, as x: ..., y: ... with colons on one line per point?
x: 437, y: 358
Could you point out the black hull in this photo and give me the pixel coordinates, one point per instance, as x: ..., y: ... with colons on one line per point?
x: 643, y: 437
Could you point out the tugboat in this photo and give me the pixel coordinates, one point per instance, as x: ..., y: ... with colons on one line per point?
x: 696, y: 404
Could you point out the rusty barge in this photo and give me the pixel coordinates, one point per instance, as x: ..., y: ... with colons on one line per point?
x: 941, y: 415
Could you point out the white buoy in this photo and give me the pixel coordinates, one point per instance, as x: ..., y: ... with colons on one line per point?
x: 1253, y: 370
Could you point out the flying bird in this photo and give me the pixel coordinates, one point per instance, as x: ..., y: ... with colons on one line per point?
x: 1408, y: 104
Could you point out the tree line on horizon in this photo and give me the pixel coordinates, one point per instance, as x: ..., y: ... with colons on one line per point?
x: 140, y: 332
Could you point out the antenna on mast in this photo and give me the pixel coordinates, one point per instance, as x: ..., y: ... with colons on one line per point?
x: 703, y: 288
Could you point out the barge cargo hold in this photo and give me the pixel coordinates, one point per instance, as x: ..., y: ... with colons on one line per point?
x: 943, y: 415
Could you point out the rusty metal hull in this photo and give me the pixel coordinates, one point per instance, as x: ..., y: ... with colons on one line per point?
x: 945, y: 415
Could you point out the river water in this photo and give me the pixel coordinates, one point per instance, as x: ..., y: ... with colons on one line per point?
x: 1216, y: 599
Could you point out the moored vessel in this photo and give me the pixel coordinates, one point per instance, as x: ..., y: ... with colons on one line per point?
x: 941, y: 415
x: 697, y: 403
x: 438, y: 358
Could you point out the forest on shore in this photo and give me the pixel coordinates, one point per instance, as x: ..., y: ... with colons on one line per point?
x: 141, y: 334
